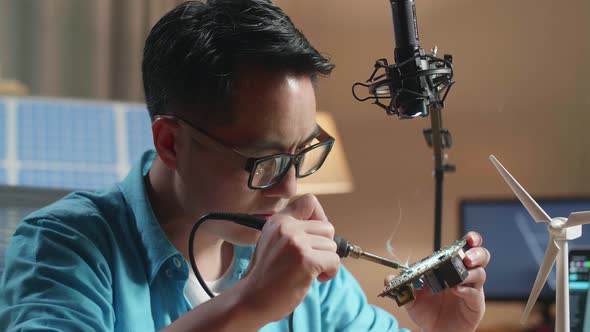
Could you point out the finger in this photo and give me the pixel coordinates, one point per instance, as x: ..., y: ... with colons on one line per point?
x: 474, y: 239
x: 322, y: 243
x: 288, y: 225
x: 306, y: 207
x: 475, y: 279
x: 327, y: 264
x: 478, y: 256
x: 325, y: 229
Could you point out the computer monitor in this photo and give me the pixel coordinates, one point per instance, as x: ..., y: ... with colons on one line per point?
x: 517, y: 243
x: 579, y: 277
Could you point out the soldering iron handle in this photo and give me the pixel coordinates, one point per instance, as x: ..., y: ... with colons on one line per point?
x: 243, y: 219
x: 248, y: 220
x: 343, y: 247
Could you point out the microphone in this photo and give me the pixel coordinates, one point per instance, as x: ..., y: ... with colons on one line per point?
x: 416, y: 85
x: 416, y: 80
x: 407, y: 46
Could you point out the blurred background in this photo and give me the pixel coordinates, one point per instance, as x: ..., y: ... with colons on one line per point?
x: 521, y: 93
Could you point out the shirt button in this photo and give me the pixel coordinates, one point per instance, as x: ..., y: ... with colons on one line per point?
x: 168, y: 273
x: 176, y: 262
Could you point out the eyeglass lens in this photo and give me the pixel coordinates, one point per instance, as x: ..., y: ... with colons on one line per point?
x: 268, y: 171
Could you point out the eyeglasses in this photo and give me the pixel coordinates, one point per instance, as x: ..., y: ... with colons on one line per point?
x: 269, y: 170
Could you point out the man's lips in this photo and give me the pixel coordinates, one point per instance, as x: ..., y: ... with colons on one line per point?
x: 263, y: 215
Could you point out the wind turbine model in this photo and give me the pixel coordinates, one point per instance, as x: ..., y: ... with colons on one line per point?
x: 560, y: 231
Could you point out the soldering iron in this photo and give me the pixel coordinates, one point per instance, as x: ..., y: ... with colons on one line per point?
x: 344, y: 247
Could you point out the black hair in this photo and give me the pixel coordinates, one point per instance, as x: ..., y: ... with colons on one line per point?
x: 193, y: 54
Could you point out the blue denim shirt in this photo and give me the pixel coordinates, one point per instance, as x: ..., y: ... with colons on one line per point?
x: 99, y: 261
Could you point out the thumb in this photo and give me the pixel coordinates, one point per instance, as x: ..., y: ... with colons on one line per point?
x: 388, y: 279
x: 470, y: 297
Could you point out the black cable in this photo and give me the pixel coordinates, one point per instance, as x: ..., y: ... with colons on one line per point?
x: 242, y: 219
x: 192, y: 256
x: 239, y: 218
x: 291, y: 328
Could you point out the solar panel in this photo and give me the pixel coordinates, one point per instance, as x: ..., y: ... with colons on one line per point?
x: 70, y: 144
x: 65, y: 132
x: 67, y: 179
x: 2, y: 132
x: 139, y: 139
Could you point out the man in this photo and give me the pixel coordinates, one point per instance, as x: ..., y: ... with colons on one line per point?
x: 230, y: 89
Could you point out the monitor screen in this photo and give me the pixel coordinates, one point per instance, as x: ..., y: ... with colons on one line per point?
x: 579, y: 280
x: 517, y: 243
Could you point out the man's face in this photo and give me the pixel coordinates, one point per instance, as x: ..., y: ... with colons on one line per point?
x: 275, y: 113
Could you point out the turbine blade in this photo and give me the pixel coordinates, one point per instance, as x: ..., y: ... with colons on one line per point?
x: 542, y: 275
x: 529, y: 203
x: 578, y: 218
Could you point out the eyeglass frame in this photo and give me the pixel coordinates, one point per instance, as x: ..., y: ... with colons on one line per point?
x: 251, y: 162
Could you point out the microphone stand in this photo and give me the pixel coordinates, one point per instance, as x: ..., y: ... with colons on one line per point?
x: 438, y: 138
x: 389, y: 85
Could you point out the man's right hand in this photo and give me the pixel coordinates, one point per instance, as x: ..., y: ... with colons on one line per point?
x: 295, y: 248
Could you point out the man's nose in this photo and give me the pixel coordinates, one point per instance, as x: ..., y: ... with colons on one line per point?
x: 286, y: 188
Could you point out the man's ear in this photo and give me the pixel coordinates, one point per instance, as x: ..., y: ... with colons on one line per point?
x: 164, y: 133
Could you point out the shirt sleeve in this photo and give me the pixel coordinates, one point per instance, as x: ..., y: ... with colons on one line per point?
x: 56, y: 279
x: 345, y: 307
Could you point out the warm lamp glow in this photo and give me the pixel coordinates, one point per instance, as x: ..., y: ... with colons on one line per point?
x: 334, y: 177
x: 12, y: 88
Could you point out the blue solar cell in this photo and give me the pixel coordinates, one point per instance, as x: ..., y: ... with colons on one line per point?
x: 66, y: 131
x: 67, y: 179
x: 139, y: 133
x: 3, y: 130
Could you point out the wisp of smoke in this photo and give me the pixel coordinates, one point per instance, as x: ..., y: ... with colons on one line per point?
x: 388, y: 244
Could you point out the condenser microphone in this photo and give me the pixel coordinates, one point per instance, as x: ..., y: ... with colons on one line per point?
x: 407, y: 48
x: 416, y: 80
x: 417, y: 84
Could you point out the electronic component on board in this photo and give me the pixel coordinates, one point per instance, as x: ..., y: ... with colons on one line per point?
x: 441, y: 270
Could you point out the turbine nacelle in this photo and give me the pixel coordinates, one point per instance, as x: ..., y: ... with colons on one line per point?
x: 559, y: 230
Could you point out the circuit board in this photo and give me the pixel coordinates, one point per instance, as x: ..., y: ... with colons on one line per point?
x: 441, y: 270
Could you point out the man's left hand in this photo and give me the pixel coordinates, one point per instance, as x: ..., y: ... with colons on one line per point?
x: 460, y: 308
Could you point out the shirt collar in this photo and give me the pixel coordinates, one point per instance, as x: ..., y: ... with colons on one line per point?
x: 158, y: 248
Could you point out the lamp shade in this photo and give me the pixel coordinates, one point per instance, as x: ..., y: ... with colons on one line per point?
x: 334, y: 177
x: 12, y: 88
